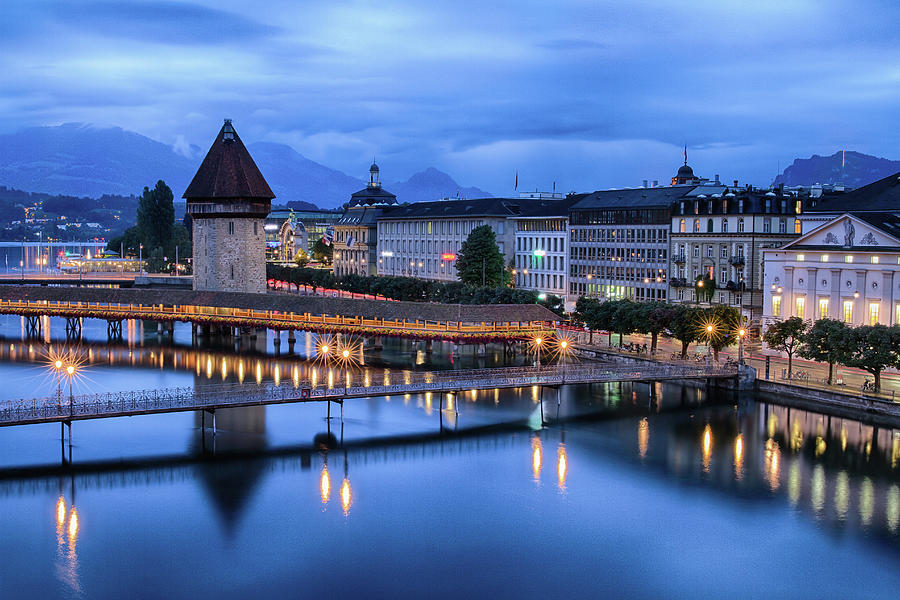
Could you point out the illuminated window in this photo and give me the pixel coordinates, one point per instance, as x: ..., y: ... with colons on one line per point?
x: 681, y: 226
x: 897, y: 314
x: 741, y: 230
x: 724, y: 225
x: 824, y: 258
x: 696, y: 225
x: 848, y: 311
x: 801, y: 257
x: 776, y: 306
x: 873, y: 313
x: 798, y: 208
x: 848, y: 259
x: 823, y: 308
x: 429, y: 227
x: 797, y: 226
x: 874, y: 260
x: 800, y: 307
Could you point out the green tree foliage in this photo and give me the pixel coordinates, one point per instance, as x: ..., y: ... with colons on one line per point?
x: 826, y: 341
x: 685, y: 327
x: 654, y: 318
x: 301, y: 257
x: 410, y: 288
x: 786, y: 336
x: 586, y: 311
x: 719, y: 327
x: 479, y: 262
x: 705, y: 288
x: 625, y: 317
x: 156, y: 215
x: 322, y: 252
x: 872, y: 348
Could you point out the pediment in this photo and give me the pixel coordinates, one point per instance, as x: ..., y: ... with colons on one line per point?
x: 846, y: 231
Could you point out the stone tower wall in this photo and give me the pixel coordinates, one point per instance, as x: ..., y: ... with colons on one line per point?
x: 229, y: 262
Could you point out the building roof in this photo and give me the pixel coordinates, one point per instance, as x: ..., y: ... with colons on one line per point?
x: 372, y: 195
x: 287, y: 303
x: 881, y: 195
x: 360, y: 215
x: 657, y: 197
x: 547, y: 207
x: 450, y: 209
x: 228, y: 171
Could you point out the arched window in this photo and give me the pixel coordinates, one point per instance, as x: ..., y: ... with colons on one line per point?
x: 681, y: 226
x: 709, y: 226
x: 724, y: 225
x: 696, y: 225
x: 797, y: 226
x: 740, y: 226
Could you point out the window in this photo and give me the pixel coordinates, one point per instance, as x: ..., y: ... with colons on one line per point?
x: 848, y: 259
x: 255, y: 229
x: 798, y: 208
x: 696, y: 225
x: 776, y: 306
x: 724, y: 225
x: 797, y: 227
x: 800, y: 307
x: 724, y: 251
x: 709, y: 226
x: 823, y: 308
x: 801, y: 257
x: 782, y: 226
x: 873, y: 313
x: 897, y: 314
x: 741, y: 224
x: 848, y: 311
x: 824, y: 258
x: 232, y: 271
x: 709, y: 251
x: 874, y: 260
x: 696, y: 251
x: 737, y: 299
x: 230, y: 227
x: 767, y: 225
x: 724, y: 275
x: 429, y: 227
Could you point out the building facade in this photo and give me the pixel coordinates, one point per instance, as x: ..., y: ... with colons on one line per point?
x: 717, y: 239
x: 847, y: 269
x: 424, y: 239
x: 356, y: 232
x: 619, y: 243
x: 228, y: 200
x: 542, y: 247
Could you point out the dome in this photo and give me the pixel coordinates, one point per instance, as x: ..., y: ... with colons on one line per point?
x: 373, y: 168
x: 685, y: 171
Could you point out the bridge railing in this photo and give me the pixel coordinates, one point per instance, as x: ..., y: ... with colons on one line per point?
x: 224, y: 395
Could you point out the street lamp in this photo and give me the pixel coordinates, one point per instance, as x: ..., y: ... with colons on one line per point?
x: 538, y: 341
x: 741, y: 333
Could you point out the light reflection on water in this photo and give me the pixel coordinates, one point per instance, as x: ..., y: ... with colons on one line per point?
x: 747, y: 458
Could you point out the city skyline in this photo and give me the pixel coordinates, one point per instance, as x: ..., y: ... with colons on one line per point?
x: 588, y: 95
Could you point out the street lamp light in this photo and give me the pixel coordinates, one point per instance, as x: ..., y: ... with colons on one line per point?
x: 741, y: 333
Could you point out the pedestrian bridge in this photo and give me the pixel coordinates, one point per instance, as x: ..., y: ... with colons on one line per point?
x: 339, y: 388
x: 467, y: 324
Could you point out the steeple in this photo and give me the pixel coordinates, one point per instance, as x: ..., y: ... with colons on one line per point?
x: 374, y: 181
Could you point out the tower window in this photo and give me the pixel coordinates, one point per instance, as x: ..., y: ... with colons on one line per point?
x: 255, y: 229
x: 230, y: 227
x: 232, y: 271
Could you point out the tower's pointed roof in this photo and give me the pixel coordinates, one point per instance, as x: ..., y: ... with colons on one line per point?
x: 228, y: 171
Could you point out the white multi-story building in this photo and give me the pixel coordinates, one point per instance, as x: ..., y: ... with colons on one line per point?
x: 423, y: 239
x: 542, y: 249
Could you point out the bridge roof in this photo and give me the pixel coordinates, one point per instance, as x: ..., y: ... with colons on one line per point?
x: 285, y: 302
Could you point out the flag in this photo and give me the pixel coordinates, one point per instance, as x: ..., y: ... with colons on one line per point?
x: 517, y: 180
x: 329, y: 235
x: 350, y: 241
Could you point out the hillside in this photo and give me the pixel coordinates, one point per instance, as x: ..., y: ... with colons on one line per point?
x: 853, y: 169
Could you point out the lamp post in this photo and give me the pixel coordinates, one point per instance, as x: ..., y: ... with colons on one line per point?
x: 538, y: 341
x: 741, y: 333
x: 141, y: 258
x: 70, y: 372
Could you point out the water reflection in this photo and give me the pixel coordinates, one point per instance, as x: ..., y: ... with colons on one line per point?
x: 66, y: 537
x: 562, y: 466
x: 707, y: 448
x: 537, y: 457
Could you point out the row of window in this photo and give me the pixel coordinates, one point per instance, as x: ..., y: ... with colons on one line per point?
x: 645, y: 216
x: 723, y: 228
x: 616, y: 292
x: 681, y: 249
x: 767, y: 206
x: 540, y: 263
x: 541, y: 225
x: 823, y: 306
x: 654, y: 235
x: 605, y: 253
x: 735, y: 299
x: 442, y: 227
x: 848, y: 258
x: 547, y: 244
x: 540, y: 281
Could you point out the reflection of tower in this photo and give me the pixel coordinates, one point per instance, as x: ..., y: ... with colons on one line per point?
x: 231, y: 483
x: 228, y: 200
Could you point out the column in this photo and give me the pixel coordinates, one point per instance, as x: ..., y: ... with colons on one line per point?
x: 835, y: 308
x: 861, y: 303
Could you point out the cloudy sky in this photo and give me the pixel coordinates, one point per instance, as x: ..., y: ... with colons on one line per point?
x: 588, y: 93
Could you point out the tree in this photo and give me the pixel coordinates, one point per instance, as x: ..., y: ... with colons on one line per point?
x: 156, y: 215
x: 685, y: 326
x: 720, y: 326
x: 301, y: 257
x: 705, y: 288
x: 605, y: 318
x: 654, y: 318
x: 322, y: 252
x: 624, y: 321
x: 872, y: 348
x: 586, y: 309
x: 826, y: 341
x: 786, y: 336
x: 479, y: 262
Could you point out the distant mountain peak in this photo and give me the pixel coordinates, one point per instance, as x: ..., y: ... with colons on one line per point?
x: 849, y: 167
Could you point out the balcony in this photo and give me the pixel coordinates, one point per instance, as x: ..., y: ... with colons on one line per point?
x: 737, y: 260
x: 678, y: 282
x: 679, y: 259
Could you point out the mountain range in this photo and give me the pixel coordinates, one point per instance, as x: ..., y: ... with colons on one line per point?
x: 853, y: 169
x: 82, y: 160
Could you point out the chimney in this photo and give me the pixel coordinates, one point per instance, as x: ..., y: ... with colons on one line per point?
x: 644, y: 184
x: 717, y: 179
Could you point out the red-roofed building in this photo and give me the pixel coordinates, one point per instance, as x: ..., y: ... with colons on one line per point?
x: 228, y: 200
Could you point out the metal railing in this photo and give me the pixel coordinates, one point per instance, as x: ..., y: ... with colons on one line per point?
x: 116, y: 404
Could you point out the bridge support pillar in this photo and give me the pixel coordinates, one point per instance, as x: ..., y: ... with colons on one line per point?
x: 481, y: 350
x: 455, y: 352
x: 73, y: 328
x: 276, y: 337
x: 376, y: 343
x: 114, y: 330
x: 428, y: 347
x: 33, y: 327
x: 160, y: 328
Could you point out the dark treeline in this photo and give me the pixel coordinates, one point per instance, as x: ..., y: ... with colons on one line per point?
x: 411, y: 289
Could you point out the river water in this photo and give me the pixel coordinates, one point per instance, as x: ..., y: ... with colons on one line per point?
x: 624, y: 493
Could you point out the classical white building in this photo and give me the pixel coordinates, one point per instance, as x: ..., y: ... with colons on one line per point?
x: 355, y: 234
x: 847, y: 268
x: 542, y: 248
